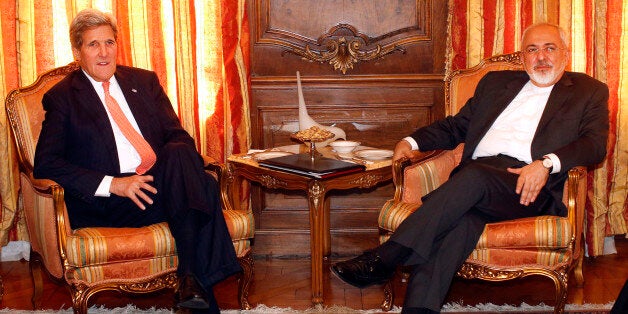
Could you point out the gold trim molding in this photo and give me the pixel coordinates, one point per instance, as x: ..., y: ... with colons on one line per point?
x: 344, y: 48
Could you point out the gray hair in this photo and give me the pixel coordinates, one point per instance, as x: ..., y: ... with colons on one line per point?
x: 88, y: 19
x: 561, y: 32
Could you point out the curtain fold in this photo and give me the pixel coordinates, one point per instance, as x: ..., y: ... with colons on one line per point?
x: 599, y: 47
x: 198, y: 48
x: 9, y: 79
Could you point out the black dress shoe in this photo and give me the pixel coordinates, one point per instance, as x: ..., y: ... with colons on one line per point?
x: 364, y: 270
x: 191, y: 295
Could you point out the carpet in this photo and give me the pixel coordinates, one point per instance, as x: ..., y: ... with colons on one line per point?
x: 451, y: 308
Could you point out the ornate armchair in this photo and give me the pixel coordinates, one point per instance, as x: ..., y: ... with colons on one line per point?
x: 549, y: 246
x: 91, y: 260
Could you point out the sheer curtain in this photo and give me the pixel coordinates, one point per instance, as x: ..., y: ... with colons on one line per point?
x: 198, y: 48
x: 598, y: 31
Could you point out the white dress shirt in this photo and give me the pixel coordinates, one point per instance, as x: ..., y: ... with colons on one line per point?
x: 512, y: 132
x: 128, y: 156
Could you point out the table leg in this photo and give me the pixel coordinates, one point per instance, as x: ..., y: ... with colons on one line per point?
x: 327, y: 230
x: 316, y: 202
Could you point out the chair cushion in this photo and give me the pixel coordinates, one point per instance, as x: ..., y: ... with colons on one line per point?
x: 147, y: 246
x: 520, y: 258
x: 88, y: 246
x: 129, y: 271
x: 541, y: 240
x: 524, y: 242
x: 97, y: 254
x: 542, y: 232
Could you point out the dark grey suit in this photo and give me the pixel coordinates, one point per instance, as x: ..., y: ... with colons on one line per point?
x: 445, y: 229
x: 76, y: 148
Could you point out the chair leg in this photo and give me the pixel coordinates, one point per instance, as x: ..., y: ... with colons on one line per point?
x: 35, y: 266
x: 560, y: 281
x: 244, y: 280
x: 80, y: 294
x: 389, y: 296
x: 578, y: 274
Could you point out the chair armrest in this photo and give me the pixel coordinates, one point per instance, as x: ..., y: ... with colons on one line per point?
x: 63, y: 222
x: 414, y: 179
x: 575, y: 194
x: 43, y: 186
x: 50, y: 188
x: 220, y: 173
x: 214, y: 167
x: 399, y: 167
x: 53, y: 189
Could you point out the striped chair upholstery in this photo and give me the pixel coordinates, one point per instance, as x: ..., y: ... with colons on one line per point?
x: 98, y: 254
x: 90, y: 260
x: 546, y: 245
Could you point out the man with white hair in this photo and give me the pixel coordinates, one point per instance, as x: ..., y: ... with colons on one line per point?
x: 113, y: 141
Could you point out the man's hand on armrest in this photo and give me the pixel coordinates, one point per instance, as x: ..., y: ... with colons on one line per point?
x: 404, y: 149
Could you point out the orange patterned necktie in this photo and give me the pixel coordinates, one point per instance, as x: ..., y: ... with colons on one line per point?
x: 139, y: 143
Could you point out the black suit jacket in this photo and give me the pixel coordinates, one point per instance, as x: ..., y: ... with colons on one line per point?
x: 76, y: 146
x: 574, y: 124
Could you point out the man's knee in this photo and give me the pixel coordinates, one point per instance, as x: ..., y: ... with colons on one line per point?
x: 473, y: 173
x: 179, y: 151
x: 176, y: 147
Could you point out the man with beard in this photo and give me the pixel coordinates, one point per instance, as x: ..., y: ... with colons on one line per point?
x: 523, y: 131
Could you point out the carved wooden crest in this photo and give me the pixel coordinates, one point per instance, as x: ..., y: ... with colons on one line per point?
x: 342, y: 33
x: 344, y: 48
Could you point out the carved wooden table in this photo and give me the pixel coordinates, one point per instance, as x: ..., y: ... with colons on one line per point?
x: 244, y: 166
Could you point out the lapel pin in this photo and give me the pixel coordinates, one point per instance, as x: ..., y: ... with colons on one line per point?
x: 134, y: 90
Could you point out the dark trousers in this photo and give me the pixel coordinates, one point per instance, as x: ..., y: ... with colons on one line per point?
x: 191, y: 197
x: 188, y: 199
x: 445, y: 229
x: 621, y: 304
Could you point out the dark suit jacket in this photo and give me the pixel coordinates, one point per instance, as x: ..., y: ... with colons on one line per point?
x: 76, y: 146
x: 574, y: 124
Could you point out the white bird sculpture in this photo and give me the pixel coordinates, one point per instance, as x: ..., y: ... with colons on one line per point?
x: 306, y: 122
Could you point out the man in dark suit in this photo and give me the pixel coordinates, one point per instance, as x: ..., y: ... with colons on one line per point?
x: 522, y: 131
x: 113, y: 141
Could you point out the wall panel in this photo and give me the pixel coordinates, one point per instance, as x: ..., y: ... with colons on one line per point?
x: 373, y: 68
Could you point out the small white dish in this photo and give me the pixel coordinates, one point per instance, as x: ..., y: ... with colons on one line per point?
x: 342, y: 147
x: 374, y: 154
x: 348, y: 155
x: 270, y: 154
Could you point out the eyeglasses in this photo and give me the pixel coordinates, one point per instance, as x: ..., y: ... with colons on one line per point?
x: 549, y: 50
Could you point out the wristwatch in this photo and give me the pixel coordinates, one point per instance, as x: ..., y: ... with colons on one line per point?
x: 548, y: 164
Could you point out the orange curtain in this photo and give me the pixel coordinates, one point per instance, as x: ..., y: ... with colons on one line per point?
x: 12, y: 226
x: 598, y: 31
x: 198, y: 48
